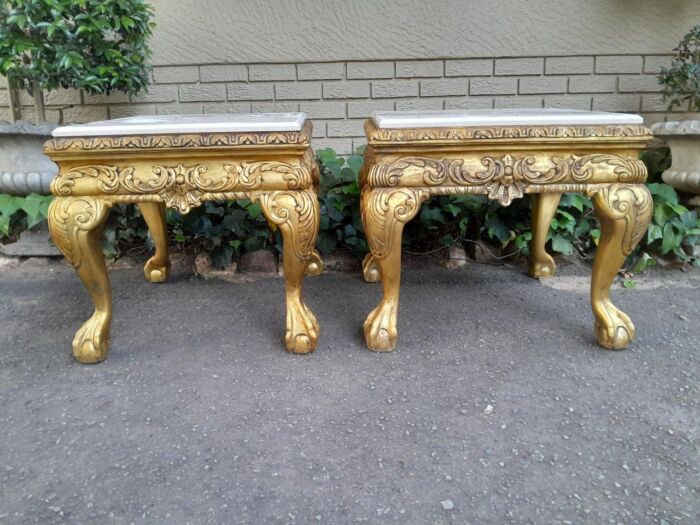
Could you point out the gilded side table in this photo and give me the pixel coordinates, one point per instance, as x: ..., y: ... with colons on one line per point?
x: 505, y: 154
x: 180, y: 162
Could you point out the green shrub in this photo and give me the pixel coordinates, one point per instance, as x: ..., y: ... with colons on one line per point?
x: 95, y: 45
x: 225, y: 230
x: 681, y: 81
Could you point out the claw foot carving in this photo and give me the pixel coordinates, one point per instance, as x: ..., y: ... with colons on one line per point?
x: 542, y: 266
x: 370, y: 270
x: 613, y: 328
x: 380, y: 327
x: 315, y: 265
x: 154, y: 272
x: 91, y: 342
x: 302, y: 329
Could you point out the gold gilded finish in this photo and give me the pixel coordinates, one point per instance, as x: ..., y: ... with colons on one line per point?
x: 544, y: 206
x: 315, y: 264
x: 75, y: 224
x: 404, y: 167
x: 157, y: 268
x: 276, y: 170
x: 435, y: 136
x: 624, y: 212
x: 297, y: 215
x: 181, y: 141
x: 384, y: 213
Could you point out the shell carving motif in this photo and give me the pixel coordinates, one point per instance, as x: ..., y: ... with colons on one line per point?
x: 177, y: 185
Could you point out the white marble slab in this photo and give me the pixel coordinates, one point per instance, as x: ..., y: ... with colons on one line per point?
x: 500, y: 117
x: 174, y: 124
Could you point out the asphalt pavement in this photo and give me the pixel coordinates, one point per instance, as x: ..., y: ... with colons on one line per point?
x: 497, y: 407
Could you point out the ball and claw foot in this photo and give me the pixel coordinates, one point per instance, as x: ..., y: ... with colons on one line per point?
x: 315, y: 265
x: 154, y: 272
x: 91, y: 342
x: 380, y: 328
x: 302, y: 329
x: 542, y: 267
x: 370, y: 270
x: 613, y: 328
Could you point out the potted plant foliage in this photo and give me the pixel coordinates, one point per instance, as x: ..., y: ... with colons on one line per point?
x: 98, y: 46
x: 681, y: 84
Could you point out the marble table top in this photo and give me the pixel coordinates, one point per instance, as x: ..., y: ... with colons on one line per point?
x: 174, y: 124
x: 500, y: 117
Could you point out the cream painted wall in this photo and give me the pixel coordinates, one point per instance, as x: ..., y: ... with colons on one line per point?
x: 254, y: 31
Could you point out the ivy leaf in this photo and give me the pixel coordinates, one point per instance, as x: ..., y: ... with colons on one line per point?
x: 562, y: 245
x: 654, y: 232
x: 454, y: 210
x: 644, y: 262
x: 5, y: 224
x: 663, y: 213
x: 663, y: 193
x: 32, y: 206
x: 671, y: 239
x: 355, y: 163
x: 9, y: 205
x: 497, y: 228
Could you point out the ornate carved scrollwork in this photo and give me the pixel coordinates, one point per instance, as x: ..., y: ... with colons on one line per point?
x: 250, y: 175
x: 67, y: 217
x: 627, y: 170
x: 631, y: 203
x: 383, y: 208
x: 432, y: 172
x: 183, y: 186
x: 294, y: 211
x: 108, y: 178
x: 507, y: 177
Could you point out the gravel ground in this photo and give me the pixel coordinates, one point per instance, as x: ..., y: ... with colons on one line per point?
x: 497, y: 407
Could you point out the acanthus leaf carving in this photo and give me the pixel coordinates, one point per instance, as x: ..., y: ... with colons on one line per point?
x: 504, y: 178
x: 631, y: 203
x: 107, y: 178
x: 295, y: 212
x: 250, y: 175
x: 383, y: 209
x: 183, y: 186
x: 68, y: 217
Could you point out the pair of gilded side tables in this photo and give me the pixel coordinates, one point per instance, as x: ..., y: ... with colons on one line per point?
x: 182, y: 161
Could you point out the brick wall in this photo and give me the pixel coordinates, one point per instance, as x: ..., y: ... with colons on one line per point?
x: 338, y: 96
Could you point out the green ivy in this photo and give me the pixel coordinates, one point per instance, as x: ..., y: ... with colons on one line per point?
x: 674, y: 228
x: 19, y: 213
x: 339, y: 198
x: 225, y: 230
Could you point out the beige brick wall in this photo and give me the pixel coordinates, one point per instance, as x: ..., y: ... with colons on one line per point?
x: 338, y: 96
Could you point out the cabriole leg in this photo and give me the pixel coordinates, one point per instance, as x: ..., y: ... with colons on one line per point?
x: 297, y: 214
x: 544, y: 206
x: 624, y: 212
x: 157, y: 268
x: 384, y: 213
x: 75, y: 224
